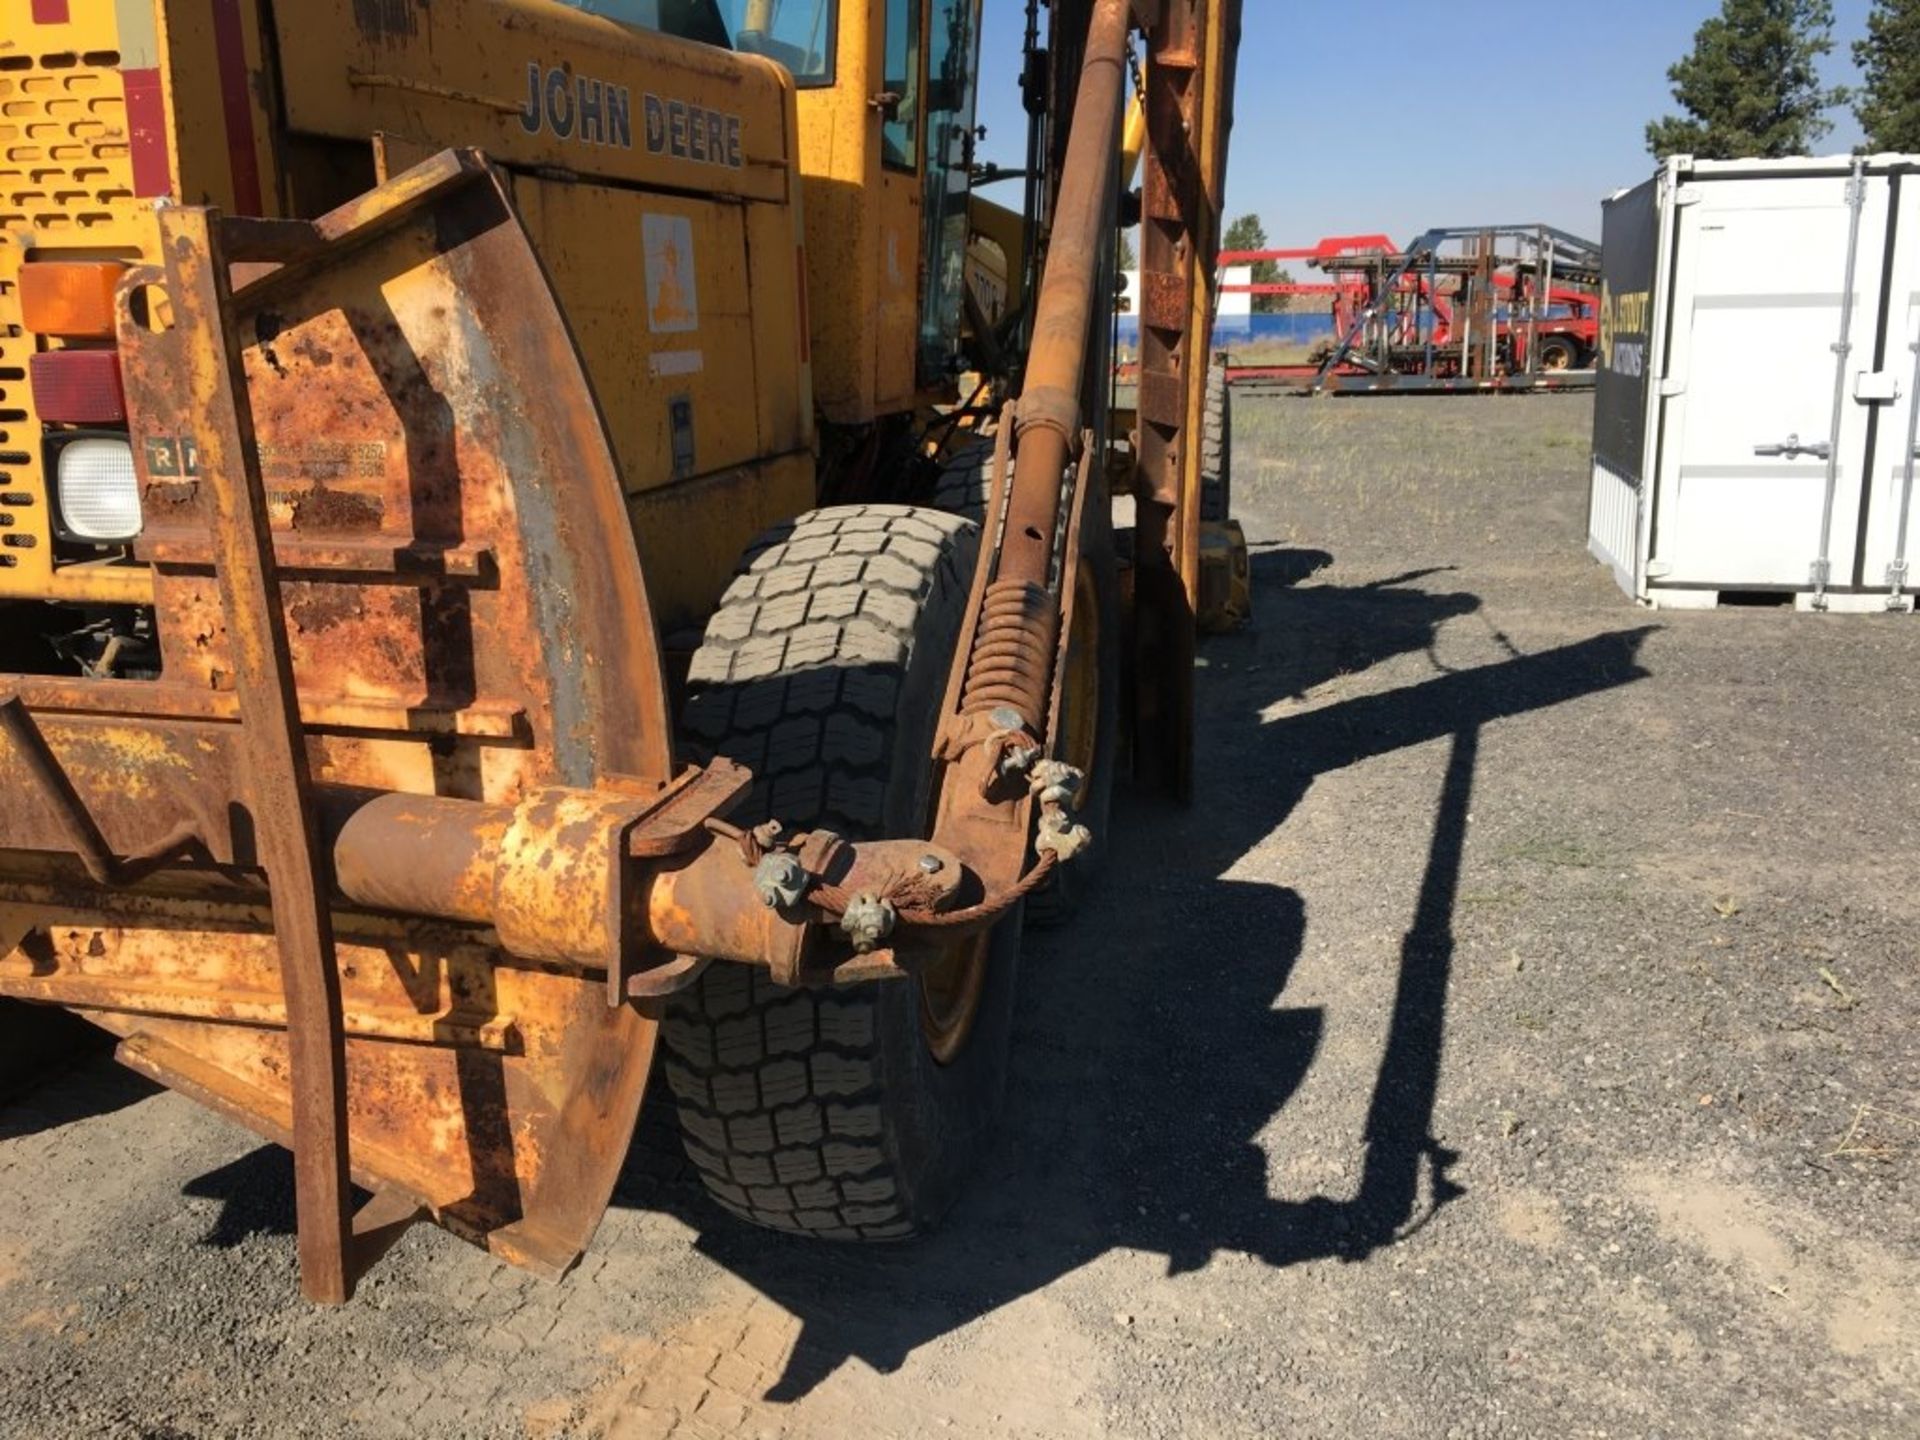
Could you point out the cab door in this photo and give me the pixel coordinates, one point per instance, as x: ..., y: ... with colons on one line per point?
x: 953, y: 66
x: 901, y: 105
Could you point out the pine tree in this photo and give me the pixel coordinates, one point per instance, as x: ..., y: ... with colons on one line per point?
x: 1889, y: 106
x: 1247, y: 233
x: 1751, y: 84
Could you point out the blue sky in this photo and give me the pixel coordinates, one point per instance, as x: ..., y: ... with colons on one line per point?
x: 1399, y: 115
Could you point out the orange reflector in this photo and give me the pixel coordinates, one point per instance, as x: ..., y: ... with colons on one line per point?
x: 70, y: 298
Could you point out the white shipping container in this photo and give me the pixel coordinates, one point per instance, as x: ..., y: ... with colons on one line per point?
x: 1755, y: 407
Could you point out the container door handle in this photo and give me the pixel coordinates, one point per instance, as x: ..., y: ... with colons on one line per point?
x: 1793, y: 445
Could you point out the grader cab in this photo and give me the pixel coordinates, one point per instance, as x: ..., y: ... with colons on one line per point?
x: 521, y: 546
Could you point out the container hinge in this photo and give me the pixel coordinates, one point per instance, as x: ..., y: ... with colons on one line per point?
x: 1897, y: 571
x: 1793, y: 445
x: 1676, y: 385
x: 1820, y: 575
x: 1842, y: 347
x: 1688, y: 195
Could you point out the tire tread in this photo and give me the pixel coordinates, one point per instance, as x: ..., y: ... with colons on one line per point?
x: 800, y: 677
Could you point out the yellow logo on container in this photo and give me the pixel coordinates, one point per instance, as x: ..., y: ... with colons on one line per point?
x: 1623, y: 327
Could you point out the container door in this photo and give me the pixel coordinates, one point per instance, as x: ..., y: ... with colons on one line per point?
x: 1635, y: 232
x: 1757, y: 309
x: 1900, y: 370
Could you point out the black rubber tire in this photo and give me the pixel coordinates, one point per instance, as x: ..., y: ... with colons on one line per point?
x: 1216, y: 449
x: 965, y: 479
x: 1558, y: 344
x: 825, y: 1111
x: 962, y: 488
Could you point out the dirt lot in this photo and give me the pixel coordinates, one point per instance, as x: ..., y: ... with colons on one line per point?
x: 1516, y: 1038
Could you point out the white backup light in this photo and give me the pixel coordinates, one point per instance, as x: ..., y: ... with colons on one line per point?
x: 99, y: 495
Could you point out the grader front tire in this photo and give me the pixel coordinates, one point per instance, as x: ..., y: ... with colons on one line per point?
x: 1216, y: 449
x: 854, y: 1113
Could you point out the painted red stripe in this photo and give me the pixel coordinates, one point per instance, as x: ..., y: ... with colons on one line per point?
x: 50, y: 12
x: 147, y: 132
x: 236, y: 105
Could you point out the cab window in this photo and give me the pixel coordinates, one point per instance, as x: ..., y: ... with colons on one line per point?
x: 797, y: 33
x: 800, y: 34
x: 953, y: 54
x: 900, y: 132
x: 689, y: 19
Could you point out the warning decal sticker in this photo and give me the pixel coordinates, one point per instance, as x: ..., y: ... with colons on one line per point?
x: 673, y: 299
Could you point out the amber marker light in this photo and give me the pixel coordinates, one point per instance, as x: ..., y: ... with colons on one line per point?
x: 69, y: 298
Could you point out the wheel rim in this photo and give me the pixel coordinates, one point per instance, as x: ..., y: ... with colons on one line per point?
x: 1554, y: 357
x: 950, y: 991
x: 1080, y: 690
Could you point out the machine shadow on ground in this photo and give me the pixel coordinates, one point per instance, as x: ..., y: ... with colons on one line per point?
x: 1156, y: 1044
x: 88, y: 1087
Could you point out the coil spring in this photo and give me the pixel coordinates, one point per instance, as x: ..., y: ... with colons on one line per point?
x: 1012, y: 660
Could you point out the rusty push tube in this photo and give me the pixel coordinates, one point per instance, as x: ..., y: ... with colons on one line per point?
x: 455, y: 860
x: 1048, y: 420
x: 474, y: 863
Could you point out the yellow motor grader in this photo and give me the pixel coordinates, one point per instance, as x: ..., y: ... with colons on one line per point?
x: 532, y: 532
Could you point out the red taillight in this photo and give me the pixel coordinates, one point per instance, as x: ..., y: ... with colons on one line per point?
x: 78, y: 387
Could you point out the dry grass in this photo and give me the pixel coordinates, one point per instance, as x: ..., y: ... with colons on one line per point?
x: 1867, y: 1139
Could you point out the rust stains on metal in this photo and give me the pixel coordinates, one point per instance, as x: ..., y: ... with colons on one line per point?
x: 1013, y: 652
x: 56, y: 788
x: 487, y: 639
x: 1189, y: 109
x: 205, y: 366
x: 322, y: 508
x: 1002, y: 702
x: 451, y: 850
x: 1048, y: 423
x: 322, y: 608
x: 557, y: 879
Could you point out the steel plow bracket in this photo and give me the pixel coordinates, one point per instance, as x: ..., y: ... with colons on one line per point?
x: 390, y: 556
x: 392, y: 862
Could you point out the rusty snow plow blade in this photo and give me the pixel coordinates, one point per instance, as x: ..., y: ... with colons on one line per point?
x: 392, y: 858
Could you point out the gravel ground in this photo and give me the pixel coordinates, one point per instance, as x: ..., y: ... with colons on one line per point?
x: 1514, y: 1039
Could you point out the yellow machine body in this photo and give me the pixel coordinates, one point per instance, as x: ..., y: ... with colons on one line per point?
x: 732, y: 258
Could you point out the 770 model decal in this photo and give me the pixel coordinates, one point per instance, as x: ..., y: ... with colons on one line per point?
x: 599, y: 112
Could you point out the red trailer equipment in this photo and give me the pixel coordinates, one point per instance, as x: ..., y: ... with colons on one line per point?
x: 1486, y: 308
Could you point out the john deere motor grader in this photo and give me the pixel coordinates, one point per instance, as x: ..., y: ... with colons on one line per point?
x: 386, y: 386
